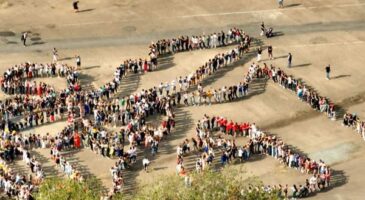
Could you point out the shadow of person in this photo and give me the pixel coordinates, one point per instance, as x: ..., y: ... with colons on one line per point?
x: 301, y: 65
x: 341, y: 76
x: 86, y: 10
x: 292, y: 5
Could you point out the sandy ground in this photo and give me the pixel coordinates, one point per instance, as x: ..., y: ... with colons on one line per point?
x: 316, y: 32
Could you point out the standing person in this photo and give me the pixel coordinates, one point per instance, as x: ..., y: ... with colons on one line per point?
x: 269, y: 51
x: 145, y: 163
x: 54, y: 52
x: 24, y: 38
x: 263, y: 29
x: 78, y: 61
x: 328, y: 71
x: 259, y: 52
x: 75, y: 5
x: 281, y: 3
x: 290, y: 57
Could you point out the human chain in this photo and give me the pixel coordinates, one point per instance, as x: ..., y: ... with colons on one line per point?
x: 42, y: 104
x: 207, y: 143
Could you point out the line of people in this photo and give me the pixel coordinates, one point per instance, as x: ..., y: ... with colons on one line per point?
x: 303, y: 91
x: 186, y: 43
x: 317, y: 102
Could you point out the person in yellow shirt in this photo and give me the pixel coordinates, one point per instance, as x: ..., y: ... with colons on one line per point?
x: 209, y: 96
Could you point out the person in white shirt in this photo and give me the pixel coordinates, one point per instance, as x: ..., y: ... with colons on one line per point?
x: 313, y: 182
x: 145, y: 163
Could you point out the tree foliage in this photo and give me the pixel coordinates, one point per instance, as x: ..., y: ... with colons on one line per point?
x: 67, y: 189
x: 228, y: 184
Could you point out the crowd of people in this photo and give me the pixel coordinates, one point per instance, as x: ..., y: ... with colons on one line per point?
x: 15, y: 146
x: 35, y: 103
x: 66, y: 167
x: 208, y: 143
x: 38, y: 103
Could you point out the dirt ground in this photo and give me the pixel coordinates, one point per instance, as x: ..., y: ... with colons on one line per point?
x: 316, y: 32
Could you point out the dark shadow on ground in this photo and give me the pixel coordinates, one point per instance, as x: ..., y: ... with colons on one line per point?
x: 38, y: 43
x: 165, y: 62
x: 66, y: 58
x: 277, y: 33
x: 301, y: 65
x: 292, y: 5
x: 341, y: 76
x: 129, y: 84
x: 86, y: 10
x: 90, y: 67
x: 7, y: 34
x: 86, y: 82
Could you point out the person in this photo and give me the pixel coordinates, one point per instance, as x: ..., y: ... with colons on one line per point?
x: 290, y: 57
x: 24, y: 38
x: 328, y: 71
x: 281, y: 3
x: 54, y: 52
x: 259, y: 51
x: 263, y: 29
x: 78, y: 61
x: 76, y: 6
x: 269, y: 50
x: 145, y: 163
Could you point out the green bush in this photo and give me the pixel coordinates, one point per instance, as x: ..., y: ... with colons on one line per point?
x: 228, y: 184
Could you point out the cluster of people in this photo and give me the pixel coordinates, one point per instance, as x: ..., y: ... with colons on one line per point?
x: 13, y: 184
x: 13, y: 146
x: 132, y: 114
x: 259, y: 142
x: 66, y: 167
x: 353, y: 121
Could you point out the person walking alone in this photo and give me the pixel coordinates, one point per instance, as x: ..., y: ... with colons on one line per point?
x: 259, y: 52
x: 281, y: 3
x: 145, y: 163
x: 24, y: 38
x: 290, y: 57
x: 78, y: 61
x: 75, y: 6
x: 55, y: 55
x: 328, y: 71
x: 269, y: 51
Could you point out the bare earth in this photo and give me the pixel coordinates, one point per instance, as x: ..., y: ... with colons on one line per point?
x: 316, y: 32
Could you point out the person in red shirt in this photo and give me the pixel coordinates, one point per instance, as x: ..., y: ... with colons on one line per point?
x: 236, y: 129
x: 77, y: 141
x: 39, y: 89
